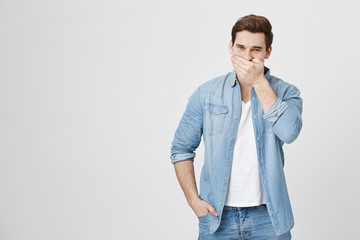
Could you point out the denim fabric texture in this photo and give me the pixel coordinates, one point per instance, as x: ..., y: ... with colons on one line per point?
x: 213, y: 113
x: 242, y: 223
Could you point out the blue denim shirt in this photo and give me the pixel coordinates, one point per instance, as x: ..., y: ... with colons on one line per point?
x: 213, y: 112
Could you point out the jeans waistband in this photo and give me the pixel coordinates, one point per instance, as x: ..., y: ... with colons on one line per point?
x: 232, y: 207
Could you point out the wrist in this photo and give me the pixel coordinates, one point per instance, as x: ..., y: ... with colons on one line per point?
x: 262, y: 81
x: 193, y: 200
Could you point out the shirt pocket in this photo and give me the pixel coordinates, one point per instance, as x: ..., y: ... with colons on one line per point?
x: 216, y: 118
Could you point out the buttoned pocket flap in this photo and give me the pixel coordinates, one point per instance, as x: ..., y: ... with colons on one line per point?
x: 216, y: 109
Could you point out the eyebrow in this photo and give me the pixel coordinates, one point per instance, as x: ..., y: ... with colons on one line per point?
x: 240, y: 45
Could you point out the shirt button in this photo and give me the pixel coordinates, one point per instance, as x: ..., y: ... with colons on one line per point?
x: 228, y: 160
x: 254, y: 116
x: 257, y: 138
x: 224, y: 182
x: 252, y: 97
x: 264, y: 181
x: 231, y: 139
x: 220, y: 204
x: 235, y: 118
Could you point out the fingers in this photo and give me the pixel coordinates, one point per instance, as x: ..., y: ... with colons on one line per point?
x: 240, y: 69
x: 242, y: 61
x: 204, y: 214
x: 242, y: 74
x: 204, y: 206
x: 250, y: 64
x: 212, y: 210
x: 240, y: 66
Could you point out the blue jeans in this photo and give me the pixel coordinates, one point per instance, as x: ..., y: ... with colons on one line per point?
x: 241, y: 223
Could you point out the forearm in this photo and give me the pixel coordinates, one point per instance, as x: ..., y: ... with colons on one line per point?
x: 284, y: 113
x: 186, y: 176
x: 265, y: 94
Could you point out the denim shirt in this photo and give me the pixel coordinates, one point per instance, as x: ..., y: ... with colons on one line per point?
x: 213, y: 112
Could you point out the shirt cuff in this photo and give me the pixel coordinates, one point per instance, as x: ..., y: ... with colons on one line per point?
x: 275, y: 111
x: 182, y: 156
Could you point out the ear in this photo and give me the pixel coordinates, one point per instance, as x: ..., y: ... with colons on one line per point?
x: 268, y: 52
x: 230, y: 47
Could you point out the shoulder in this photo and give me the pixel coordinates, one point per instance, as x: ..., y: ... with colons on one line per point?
x: 215, y: 85
x: 282, y: 87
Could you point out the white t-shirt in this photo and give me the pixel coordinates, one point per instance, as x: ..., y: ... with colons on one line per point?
x: 245, y: 189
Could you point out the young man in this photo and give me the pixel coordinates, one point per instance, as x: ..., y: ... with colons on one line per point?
x: 245, y: 117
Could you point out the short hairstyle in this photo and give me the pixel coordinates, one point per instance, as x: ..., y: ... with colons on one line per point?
x: 254, y: 24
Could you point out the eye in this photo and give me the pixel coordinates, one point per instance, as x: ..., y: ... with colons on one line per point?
x: 257, y: 50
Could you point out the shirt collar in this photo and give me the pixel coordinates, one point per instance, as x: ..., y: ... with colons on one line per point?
x: 233, y: 80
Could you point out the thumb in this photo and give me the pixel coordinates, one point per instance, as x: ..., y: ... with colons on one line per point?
x: 212, y: 210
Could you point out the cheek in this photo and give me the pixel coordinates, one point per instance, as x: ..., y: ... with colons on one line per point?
x: 262, y: 55
x: 236, y: 52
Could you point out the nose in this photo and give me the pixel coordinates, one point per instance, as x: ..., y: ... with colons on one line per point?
x: 247, y: 55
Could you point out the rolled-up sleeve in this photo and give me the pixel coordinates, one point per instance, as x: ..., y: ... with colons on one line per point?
x: 285, y: 115
x: 189, y: 131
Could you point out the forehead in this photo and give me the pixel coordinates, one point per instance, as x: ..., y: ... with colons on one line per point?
x: 247, y: 38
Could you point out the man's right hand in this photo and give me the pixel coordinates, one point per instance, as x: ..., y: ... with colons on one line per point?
x: 201, y: 208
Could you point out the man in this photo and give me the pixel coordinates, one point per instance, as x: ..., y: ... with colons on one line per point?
x: 245, y: 117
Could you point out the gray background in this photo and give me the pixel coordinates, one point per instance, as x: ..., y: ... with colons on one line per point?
x: 91, y: 93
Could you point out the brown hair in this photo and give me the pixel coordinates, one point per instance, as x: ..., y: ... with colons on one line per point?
x: 254, y: 24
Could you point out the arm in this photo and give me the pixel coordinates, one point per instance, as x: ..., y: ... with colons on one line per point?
x: 188, y: 134
x: 265, y: 94
x: 284, y: 113
x: 186, y: 140
x: 186, y: 176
